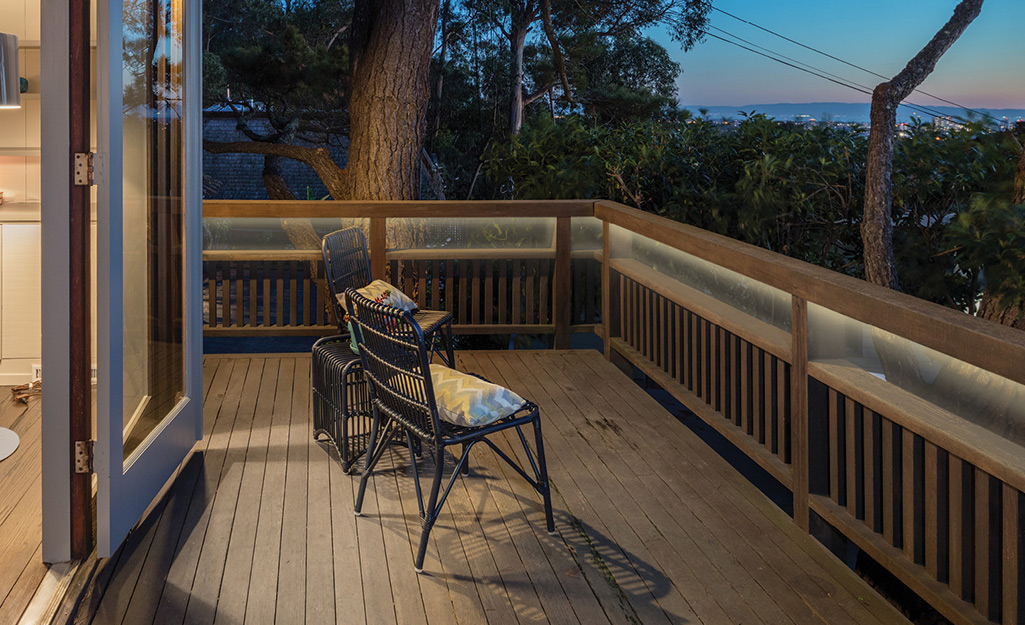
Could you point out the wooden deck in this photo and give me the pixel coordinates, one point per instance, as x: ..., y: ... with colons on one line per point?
x: 652, y: 526
x: 21, y: 532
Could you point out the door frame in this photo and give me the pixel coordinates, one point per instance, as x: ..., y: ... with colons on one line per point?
x: 125, y: 488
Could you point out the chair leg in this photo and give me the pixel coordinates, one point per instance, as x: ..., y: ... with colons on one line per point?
x: 465, y: 469
x: 430, y: 512
x: 546, y: 489
x: 448, y: 345
x: 373, y: 454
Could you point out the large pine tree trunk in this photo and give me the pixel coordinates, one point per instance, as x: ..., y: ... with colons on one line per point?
x: 391, y: 55
x: 877, y: 224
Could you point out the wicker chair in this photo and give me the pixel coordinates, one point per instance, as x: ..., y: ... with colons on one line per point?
x: 396, y: 361
x: 347, y: 262
x: 341, y: 401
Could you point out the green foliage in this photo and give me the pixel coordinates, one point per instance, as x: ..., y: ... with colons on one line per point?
x: 795, y: 190
x: 991, y: 238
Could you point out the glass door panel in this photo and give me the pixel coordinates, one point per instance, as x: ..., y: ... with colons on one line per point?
x: 153, y: 216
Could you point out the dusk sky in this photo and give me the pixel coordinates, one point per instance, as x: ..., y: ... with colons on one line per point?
x: 985, y: 68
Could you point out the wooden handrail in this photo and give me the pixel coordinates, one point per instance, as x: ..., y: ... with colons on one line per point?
x: 434, y: 209
x: 987, y: 345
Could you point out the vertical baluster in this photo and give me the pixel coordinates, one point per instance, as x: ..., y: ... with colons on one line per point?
x: 253, y: 301
x: 545, y: 288
x: 464, y: 292
x: 293, y: 284
x: 745, y: 387
x: 888, y: 495
x: 503, y: 294
x: 516, y: 296
x: 420, y: 267
x: 907, y: 464
x: 211, y: 293
x: 436, y: 285
x: 833, y: 417
x: 722, y: 382
x: 489, y: 292
x: 956, y: 499
x: 531, y: 313
x: 931, y: 510
x: 679, y: 319
x: 982, y: 538
x: 868, y: 460
x: 851, y: 455
x: 475, y: 279
x: 1011, y: 594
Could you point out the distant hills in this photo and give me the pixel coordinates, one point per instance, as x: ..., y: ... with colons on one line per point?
x: 839, y: 111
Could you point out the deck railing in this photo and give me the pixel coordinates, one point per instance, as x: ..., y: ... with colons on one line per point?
x: 894, y: 420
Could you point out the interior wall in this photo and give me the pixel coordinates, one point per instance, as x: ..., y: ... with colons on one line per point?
x: 20, y: 181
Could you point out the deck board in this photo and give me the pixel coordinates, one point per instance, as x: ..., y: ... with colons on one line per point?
x: 21, y: 570
x: 652, y: 525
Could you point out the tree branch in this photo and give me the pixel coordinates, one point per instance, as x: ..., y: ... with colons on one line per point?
x: 529, y: 99
x: 560, y: 62
x: 333, y: 176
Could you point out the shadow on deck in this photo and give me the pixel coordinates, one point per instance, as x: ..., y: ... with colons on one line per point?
x: 652, y: 525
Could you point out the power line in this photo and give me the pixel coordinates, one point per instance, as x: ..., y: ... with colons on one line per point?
x: 855, y: 66
x: 814, y: 72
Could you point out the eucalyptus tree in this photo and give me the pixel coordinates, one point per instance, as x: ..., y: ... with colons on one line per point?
x: 566, y: 32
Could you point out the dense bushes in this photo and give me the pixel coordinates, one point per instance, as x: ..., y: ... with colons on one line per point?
x: 794, y: 190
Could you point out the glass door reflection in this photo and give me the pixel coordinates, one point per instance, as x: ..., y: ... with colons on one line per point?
x: 154, y: 364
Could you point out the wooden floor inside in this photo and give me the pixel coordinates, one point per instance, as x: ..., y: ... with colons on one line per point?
x: 652, y: 526
x: 21, y: 530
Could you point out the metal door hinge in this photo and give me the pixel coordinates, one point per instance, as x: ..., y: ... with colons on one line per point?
x: 83, y: 173
x: 84, y: 456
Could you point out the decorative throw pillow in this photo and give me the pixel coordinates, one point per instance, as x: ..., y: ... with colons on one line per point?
x: 383, y: 293
x: 471, y: 402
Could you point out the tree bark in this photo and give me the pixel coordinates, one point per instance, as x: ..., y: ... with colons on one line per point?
x: 391, y: 55
x: 877, y: 224
x: 333, y: 177
x: 517, y: 41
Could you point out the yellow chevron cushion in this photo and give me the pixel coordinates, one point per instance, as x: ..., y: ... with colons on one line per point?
x: 471, y: 402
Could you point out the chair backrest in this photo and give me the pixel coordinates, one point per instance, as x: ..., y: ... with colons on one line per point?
x: 346, y: 262
x: 397, y: 361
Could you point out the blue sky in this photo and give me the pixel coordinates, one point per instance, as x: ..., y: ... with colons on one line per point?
x: 985, y: 68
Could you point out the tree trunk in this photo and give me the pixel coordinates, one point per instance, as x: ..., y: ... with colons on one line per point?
x: 517, y: 41
x: 391, y: 55
x: 877, y: 224
x: 439, y: 85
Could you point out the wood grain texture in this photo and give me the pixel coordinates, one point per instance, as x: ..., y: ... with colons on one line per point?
x: 260, y: 528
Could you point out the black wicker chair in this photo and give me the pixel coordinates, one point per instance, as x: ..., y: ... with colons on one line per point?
x: 347, y: 262
x: 341, y: 400
x: 396, y: 361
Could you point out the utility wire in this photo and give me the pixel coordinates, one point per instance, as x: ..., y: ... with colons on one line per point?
x: 824, y: 73
x: 839, y: 81
x: 849, y: 64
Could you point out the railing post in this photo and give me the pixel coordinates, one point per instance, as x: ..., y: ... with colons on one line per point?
x: 563, y: 283
x: 799, y: 439
x: 606, y: 308
x: 378, y: 247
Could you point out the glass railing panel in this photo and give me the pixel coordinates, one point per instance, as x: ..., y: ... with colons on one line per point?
x: 272, y: 233
x: 506, y: 233
x: 758, y: 300
x: 976, y: 395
